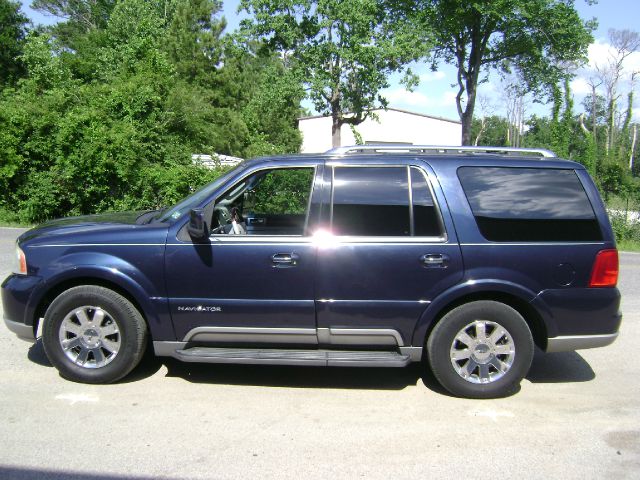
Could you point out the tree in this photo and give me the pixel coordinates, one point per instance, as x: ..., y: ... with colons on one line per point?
x: 623, y: 44
x: 344, y: 52
x: 533, y: 37
x: 12, y: 33
x: 81, y: 16
x: 492, y: 130
x: 193, y: 39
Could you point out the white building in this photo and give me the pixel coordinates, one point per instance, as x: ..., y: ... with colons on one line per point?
x: 215, y: 160
x: 392, y: 126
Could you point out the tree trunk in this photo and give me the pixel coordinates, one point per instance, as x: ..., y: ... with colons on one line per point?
x: 466, y: 115
x: 593, y: 111
x: 633, y: 147
x: 336, y: 126
x: 466, y: 119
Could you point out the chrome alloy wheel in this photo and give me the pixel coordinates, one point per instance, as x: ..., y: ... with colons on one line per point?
x: 89, y: 337
x: 482, y: 352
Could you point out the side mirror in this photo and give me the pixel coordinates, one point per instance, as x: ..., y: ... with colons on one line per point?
x: 197, y: 227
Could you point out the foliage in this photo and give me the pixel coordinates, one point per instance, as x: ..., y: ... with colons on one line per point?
x: 535, y: 37
x: 627, y: 232
x: 117, y: 99
x: 344, y: 52
x: 282, y: 192
x: 12, y: 32
x: 490, y: 130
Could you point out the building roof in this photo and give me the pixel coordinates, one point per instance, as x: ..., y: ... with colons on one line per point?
x: 433, y: 117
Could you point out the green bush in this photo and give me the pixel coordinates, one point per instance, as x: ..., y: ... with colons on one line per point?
x: 624, y: 229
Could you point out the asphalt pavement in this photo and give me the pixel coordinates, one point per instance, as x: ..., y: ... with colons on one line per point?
x: 576, y: 416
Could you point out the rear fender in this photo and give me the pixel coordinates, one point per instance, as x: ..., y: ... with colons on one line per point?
x: 453, y: 295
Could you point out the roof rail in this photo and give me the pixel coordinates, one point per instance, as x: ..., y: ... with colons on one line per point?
x: 382, y: 148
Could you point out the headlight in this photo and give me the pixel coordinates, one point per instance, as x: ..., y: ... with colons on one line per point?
x: 20, y: 262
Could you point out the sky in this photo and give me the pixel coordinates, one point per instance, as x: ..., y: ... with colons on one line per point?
x: 436, y: 96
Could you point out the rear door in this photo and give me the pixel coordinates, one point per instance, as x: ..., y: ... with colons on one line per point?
x: 390, y: 250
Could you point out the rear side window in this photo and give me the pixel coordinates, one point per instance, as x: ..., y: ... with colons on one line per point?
x: 383, y: 202
x: 371, y: 201
x: 529, y: 204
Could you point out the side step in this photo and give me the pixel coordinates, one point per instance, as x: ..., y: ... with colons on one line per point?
x: 323, y: 358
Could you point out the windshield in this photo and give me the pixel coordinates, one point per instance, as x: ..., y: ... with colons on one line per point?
x: 197, y: 197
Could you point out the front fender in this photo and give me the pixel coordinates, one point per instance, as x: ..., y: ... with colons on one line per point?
x: 108, y: 268
x: 459, y: 291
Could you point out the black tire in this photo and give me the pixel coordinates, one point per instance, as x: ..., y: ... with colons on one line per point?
x: 518, y: 341
x: 130, y: 336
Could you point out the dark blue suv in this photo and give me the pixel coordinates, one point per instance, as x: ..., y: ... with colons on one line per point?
x: 462, y: 258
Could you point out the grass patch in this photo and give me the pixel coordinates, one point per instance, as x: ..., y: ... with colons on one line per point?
x: 10, y: 219
x: 628, y: 245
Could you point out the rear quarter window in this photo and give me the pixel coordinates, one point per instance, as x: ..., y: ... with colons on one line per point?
x: 529, y: 204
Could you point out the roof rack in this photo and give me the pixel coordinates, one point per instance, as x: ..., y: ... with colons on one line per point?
x: 386, y: 148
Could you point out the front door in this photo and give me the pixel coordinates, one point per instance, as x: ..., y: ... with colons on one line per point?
x: 389, y: 254
x: 252, y: 282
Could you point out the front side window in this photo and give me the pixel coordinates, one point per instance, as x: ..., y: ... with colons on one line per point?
x: 268, y: 202
x: 383, y: 202
x: 529, y: 204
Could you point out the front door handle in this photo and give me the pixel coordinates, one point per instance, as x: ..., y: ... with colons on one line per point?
x: 434, y: 260
x: 285, y: 259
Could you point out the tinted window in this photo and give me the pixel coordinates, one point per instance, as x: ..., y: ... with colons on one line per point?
x: 282, y: 191
x: 371, y: 201
x: 529, y: 204
x: 425, y: 216
x: 268, y: 202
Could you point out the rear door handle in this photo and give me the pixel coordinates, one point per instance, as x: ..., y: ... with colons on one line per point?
x: 434, y: 260
x: 285, y: 260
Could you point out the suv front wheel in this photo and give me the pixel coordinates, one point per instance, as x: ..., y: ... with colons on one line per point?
x: 92, y: 334
x: 481, y: 349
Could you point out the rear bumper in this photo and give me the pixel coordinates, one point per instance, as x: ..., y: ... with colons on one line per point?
x: 592, y: 314
x: 579, y: 342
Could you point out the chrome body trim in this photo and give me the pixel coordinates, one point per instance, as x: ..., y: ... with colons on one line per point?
x: 22, y: 331
x: 454, y: 149
x: 415, y: 353
x: 361, y: 336
x: 252, y: 335
x: 311, y: 336
x: 167, y: 349
x: 579, y: 342
x: 528, y: 244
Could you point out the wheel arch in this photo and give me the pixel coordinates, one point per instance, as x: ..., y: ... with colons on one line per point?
x: 123, y: 285
x: 516, y: 298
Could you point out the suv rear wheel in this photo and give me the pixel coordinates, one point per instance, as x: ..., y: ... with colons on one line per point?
x: 93, y: 335
x: 481, y: 349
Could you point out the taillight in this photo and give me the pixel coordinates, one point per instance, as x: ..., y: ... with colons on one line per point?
x: 605, y: 269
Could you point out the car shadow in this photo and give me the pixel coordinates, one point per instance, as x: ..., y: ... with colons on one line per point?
x: 36, y: 354
x: 296, y: 376
x: 29, y: 473
x: 559, y: 367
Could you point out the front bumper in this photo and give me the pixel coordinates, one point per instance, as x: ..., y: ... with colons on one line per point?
x: 18, y: 304
x: 24, y: 332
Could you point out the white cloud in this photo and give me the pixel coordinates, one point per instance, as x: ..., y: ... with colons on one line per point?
x: 432, y: 76
x: 601, y: 52
x: 579, y: 86
x: 401, y: 97
x: 447, y: 99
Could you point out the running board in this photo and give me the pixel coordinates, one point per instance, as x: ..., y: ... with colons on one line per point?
x: 323, y: 358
